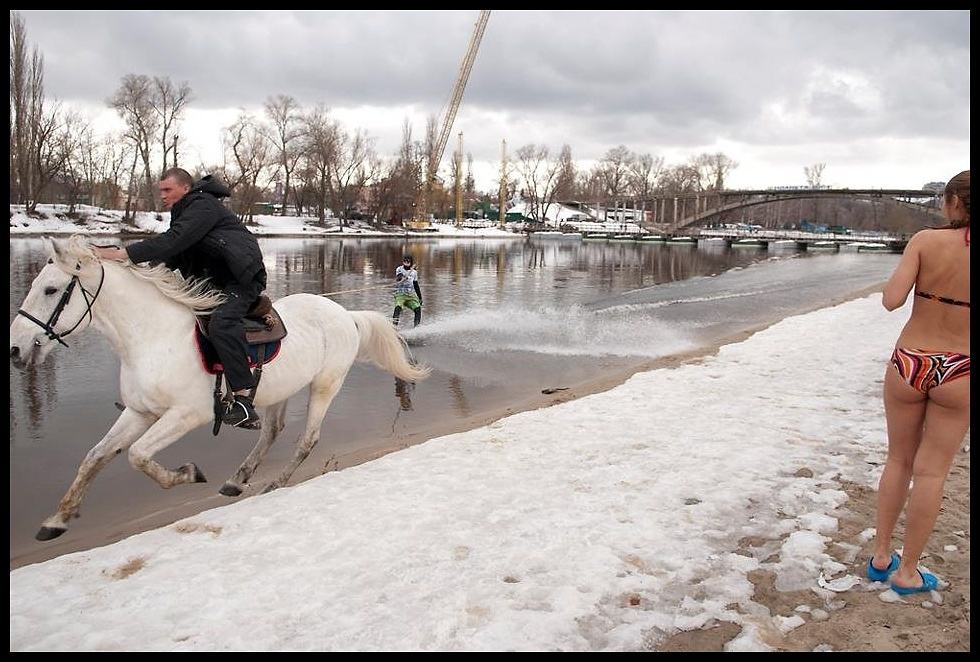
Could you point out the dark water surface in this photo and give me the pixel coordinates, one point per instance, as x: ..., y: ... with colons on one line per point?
x: 503, y: 319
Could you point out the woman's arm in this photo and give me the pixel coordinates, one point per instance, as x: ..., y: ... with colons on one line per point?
x: 903, y: 279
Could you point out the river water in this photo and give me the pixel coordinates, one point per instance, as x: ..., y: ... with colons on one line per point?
x: 502, y: 320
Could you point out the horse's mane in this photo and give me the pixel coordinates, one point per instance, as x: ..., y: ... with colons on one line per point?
x: 192, y: 293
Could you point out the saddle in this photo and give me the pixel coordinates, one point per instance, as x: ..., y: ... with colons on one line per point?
x: 262, y: 323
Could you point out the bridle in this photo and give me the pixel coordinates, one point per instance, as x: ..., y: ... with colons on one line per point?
x: 48, y: 326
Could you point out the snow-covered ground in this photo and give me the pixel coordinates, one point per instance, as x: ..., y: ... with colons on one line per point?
x: 53, y: 219
x: 605, y: 523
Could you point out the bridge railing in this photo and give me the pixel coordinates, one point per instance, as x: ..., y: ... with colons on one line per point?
x: 799, y: 234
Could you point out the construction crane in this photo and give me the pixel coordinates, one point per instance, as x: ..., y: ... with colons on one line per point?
x: 421, y: 219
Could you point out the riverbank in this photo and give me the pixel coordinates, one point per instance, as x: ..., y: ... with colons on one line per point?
x: 95, y: 221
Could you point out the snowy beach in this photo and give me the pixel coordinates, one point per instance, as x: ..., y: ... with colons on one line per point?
x: 622, y: 520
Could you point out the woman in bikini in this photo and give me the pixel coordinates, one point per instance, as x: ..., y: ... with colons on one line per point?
x: 927, y: 388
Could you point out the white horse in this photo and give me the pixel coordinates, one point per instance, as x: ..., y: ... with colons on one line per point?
x: 148, y: 316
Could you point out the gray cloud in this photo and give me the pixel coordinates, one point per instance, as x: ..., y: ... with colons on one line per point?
x: 645, y: 79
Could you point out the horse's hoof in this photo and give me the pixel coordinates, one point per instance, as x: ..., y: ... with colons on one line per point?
x: 230, y: 490
x: 196, y: 475
x: 49, y: 533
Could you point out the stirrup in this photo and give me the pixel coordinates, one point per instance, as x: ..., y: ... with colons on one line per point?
x: 242, y: 414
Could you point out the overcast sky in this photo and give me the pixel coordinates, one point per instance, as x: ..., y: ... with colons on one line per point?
x: 881, y: 97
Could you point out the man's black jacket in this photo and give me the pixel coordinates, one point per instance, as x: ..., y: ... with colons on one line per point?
x: 205, y: 239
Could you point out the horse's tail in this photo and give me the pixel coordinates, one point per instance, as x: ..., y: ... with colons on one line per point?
x: 381, y: 344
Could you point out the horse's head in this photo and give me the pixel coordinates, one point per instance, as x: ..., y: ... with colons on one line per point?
x: 58, y: 303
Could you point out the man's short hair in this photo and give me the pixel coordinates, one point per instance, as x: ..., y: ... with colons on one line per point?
x: 180, y: 175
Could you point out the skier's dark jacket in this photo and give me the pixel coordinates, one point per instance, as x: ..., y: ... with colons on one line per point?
x: 205, y: 239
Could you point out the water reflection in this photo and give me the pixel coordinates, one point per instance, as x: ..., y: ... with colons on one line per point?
x: 462, y: 406
x: 403, y: 391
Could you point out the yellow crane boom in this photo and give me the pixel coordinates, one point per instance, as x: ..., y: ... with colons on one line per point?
x: 422, y: 206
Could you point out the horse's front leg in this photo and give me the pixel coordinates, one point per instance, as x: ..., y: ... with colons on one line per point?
x: 173, y: 425
x: 273, y: 422
x: 127, y: 428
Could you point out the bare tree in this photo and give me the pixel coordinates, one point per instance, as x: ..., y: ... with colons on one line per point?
x: 644, y: 172
x: 712, y: 169
x: 285, y: 133
x: 683, y: 178
x: 320, y: 148
x: 566, y: 176
x: 428, y: 184
x: 134, y: 103
x: 539, y: 175
x: 401, y: 195
x: 250, y: 154
x: 613, y: 171
x: 51, y: 149
x: 351, y: 170
x: 112, y: 156
x: 813, y: 174
x: 719, y: 167
x: 20, y: 120
x: 168, y: 101
x: 30, y: 119
x: 77, y: 145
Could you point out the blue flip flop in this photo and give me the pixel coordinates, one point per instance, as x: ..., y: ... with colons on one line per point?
x: 876, y: 575
x: 929, y: 583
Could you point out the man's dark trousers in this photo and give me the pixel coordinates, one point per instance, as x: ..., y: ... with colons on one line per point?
x: 227, y: 331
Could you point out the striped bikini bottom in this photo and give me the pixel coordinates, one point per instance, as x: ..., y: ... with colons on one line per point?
x: 925, y: 370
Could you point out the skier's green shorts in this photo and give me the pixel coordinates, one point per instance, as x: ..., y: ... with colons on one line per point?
x: 409, y: 301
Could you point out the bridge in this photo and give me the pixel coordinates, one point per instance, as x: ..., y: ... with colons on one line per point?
x: 671, y: 213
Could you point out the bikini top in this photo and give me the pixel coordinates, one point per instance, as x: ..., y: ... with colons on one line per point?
x: 952, y: 302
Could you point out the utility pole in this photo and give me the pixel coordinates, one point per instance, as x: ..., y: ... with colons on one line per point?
x: 459, y: 181
x: 502, y: 214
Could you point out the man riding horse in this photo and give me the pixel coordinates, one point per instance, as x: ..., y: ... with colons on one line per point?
x: 207, y: 241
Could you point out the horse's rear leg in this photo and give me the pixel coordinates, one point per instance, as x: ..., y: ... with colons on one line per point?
x: 275, y: 420
x: 127, y: 428
x: 320, y: 398
x: 172, y: 426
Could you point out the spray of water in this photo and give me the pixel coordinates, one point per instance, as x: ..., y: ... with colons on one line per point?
x: 628, y: 331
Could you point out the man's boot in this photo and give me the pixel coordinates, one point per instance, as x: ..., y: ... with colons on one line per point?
x: 241, y: 413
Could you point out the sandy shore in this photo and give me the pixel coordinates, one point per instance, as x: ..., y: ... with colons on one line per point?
x: 859, y: 620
